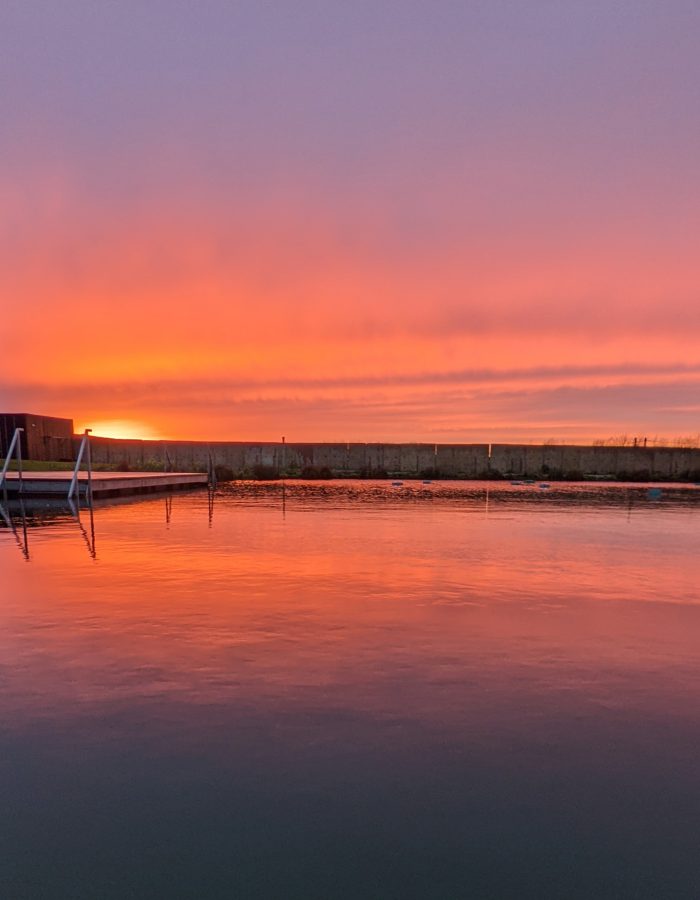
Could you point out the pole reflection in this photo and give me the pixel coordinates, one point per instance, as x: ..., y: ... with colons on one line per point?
x: 210, y: 505
x: 89, y: 538
x: 23, y: 541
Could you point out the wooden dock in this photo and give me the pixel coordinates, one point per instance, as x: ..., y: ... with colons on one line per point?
x: 57, y: 484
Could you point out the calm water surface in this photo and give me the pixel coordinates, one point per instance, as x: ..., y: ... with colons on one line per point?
x: 353, y: 691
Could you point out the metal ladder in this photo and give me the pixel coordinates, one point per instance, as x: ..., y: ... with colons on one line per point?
x: 16, y: 448
x: 84, y: 449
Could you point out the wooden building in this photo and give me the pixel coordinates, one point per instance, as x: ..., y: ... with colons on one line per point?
x: 44, y: 437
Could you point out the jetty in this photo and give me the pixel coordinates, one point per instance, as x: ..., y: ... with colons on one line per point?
x: 58, y: 484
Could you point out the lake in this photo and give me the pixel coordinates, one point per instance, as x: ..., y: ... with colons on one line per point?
x: 353, y: 690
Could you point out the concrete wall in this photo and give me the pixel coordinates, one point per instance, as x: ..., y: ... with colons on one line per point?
x: 575, y: 462
x: 50, y: 438
x: 405, y: 460
x: 462, y: 460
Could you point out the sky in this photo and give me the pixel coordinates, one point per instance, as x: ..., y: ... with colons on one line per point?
x: 381, y: 221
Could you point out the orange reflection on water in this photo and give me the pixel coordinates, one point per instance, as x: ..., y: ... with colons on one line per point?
x: 337, y: 593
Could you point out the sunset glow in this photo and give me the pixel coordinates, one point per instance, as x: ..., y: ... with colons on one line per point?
x: 121, y: 428
x: 497, y: 242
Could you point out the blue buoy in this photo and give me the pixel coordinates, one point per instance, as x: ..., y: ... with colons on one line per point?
x: 544, y: 485
x: 427, y: 482
x: 654, y: 493
x: 397, y: 483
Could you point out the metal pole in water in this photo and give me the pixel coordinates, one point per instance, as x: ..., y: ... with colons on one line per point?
x: 15, y: 447
x: 74, y: 480
x: 89, y: 465
x: 19, y: 461
x: 211, y: 471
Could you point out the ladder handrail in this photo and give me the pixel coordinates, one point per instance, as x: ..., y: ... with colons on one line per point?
x: 85, y: 443
x: 15, y: 447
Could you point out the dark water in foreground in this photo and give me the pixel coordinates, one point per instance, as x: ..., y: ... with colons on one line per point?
x: 353, y: 692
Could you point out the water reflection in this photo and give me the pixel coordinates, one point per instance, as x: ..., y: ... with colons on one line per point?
x: 89, y: 538
x: 9, y: 522
x: 22, y: 516
x: 211, y: 493
x: 344, y: 690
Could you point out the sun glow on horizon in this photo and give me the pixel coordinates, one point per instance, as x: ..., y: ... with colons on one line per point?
x: 130, y: 429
